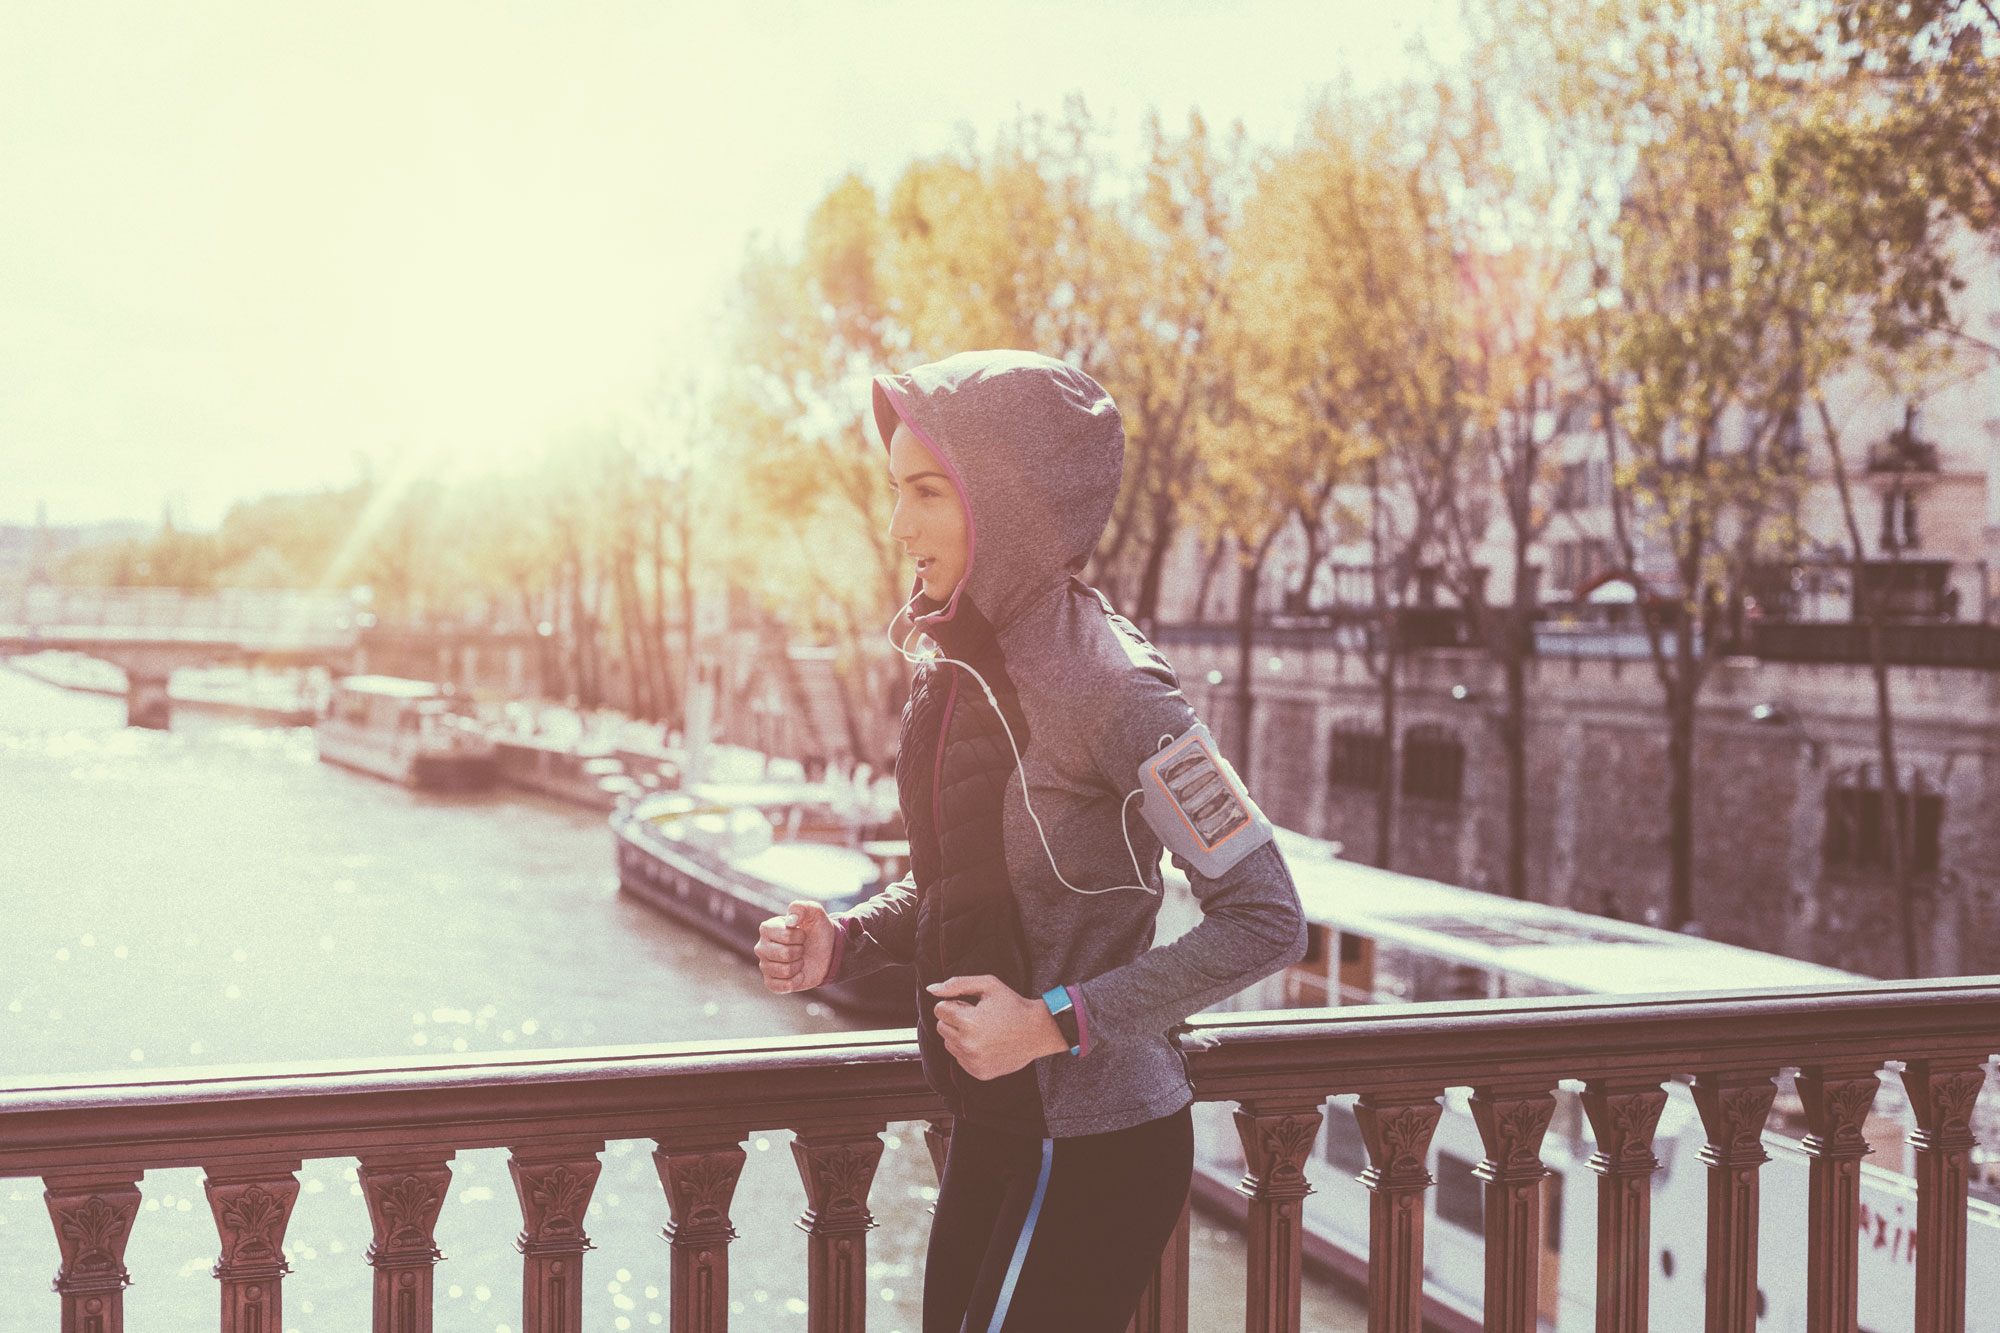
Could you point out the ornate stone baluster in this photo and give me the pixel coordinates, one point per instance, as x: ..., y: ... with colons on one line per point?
x: 1941, y: 1093
x: 837, y: 1165
x: 1163, y: 1307
x: 699, y: 1176
x: 1623, y: 1114
x: 252, y: 1202
x: 405, y: 1192
x: 937, y: 1139
x: 554, y: 1184
x: 1837, y: 1098
x: 1277, y: 1138
x: 1397, y: 1128
x: 1734, y: 1106
x: 92, y: 1213
x: 1512, y: 1119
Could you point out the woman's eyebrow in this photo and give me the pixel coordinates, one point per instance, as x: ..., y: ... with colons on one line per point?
x: 916, y: 476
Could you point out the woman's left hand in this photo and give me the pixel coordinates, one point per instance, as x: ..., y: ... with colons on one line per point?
x: 990, y: 1028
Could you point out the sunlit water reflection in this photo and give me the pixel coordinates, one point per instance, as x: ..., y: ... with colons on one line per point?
x: 213, y: 895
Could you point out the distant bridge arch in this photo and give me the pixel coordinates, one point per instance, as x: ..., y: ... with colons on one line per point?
x: 149, y: 632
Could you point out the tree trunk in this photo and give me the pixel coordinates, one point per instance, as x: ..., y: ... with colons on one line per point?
x: 579, y: 635
x: 645, y: 672
x: 1385, y: 791
x: 1146, y: 610
x: 1209, y: 566
x: 1514, y: 738
x: 1391, y: 647
x: 1248, y: 577
x: 858, y: 739
x: 1311, y: 511
x: 656, y: 630
x: 590, y: 639
x: 690, y: 665
x: 1516, y: 642
x: 1682, y: 680
x: 1680, y: 781
x: 1901, y: 846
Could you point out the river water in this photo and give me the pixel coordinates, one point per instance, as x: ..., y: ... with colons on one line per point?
x: 213, y: 895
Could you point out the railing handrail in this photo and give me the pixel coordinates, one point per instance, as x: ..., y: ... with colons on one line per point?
x: 325, y: 1109
x: 1595, y: 1036
x: 93, y: 1138
x: 333, y: 1109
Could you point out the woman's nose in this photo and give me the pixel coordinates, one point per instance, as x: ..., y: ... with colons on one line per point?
x: 899, y: 527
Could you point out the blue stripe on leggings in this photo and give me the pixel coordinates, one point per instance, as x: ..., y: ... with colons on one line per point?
x: 1021, y: 1246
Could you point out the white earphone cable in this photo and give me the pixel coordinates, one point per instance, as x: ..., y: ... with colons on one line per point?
x: 903, y: 649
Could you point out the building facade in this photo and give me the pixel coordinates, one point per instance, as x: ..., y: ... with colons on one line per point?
x: 1788, y: 850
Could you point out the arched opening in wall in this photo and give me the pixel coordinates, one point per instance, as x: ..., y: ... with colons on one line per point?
x: 1433, y: 763
x: 1856, y: 832
x: 1285, y: 776
x: 1358, y: 757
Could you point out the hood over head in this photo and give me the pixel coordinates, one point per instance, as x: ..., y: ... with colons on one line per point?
x: 1036, y: 449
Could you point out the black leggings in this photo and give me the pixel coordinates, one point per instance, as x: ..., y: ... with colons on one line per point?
x: 1053, y: 1235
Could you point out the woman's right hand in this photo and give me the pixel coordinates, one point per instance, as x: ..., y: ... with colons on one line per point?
x: 795, y: 952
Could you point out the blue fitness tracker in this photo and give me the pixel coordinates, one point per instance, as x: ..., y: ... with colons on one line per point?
x: 1060, y: 1009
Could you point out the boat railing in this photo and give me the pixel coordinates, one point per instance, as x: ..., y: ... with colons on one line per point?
x: 91, y: 1142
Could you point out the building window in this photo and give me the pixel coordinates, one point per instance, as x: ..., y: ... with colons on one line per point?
x: 1584, y: 485
x: 1855, y: 836
x: 1433, y: 764
x: 1577, y: 563
x: 1460, y: 1197
x: 1788, y: 446
x: 1899, y: 521
x: 1359, y: 758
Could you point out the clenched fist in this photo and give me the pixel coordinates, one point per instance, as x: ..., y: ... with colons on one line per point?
x: 794, y: 952
x: 990, y: 1028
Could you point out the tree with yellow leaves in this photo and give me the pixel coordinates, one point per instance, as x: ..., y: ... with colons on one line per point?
x: 809, y: 507
x: 1681, y: 333
x: 1337, y: 380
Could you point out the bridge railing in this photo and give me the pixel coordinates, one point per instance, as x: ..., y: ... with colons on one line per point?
x: 91, y: 1142
x: 171, y: 612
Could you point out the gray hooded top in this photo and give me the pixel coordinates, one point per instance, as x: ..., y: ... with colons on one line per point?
x: 1036, y: 450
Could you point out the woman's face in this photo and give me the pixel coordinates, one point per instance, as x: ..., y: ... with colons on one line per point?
x: 928, y: 519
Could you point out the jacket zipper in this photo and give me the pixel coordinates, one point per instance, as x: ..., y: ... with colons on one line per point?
x: 937, y: 771
x: 937, y: 818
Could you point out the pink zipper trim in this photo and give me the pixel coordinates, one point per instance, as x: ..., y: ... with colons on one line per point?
x: 1082, y: 1021
x: 895, y: 396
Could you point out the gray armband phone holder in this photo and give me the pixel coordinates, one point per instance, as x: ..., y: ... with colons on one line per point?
x: 1193, y: 800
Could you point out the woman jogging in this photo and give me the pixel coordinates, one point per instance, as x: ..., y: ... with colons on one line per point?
x: 1046, y: 758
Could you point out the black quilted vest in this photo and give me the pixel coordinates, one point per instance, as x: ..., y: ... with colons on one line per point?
x: 953, y: 763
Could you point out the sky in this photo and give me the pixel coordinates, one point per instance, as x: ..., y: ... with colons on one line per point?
x: 245, y: 246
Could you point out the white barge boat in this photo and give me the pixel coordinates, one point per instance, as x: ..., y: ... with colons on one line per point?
x: 724, y: 857
x: 408, y: 731
x: 1379, y: 937
x: 593, y: 778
